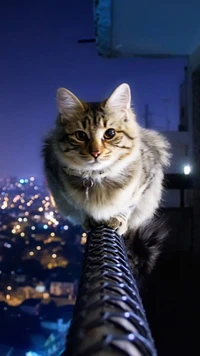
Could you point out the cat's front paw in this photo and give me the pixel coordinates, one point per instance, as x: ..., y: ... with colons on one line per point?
x: 115, y: 223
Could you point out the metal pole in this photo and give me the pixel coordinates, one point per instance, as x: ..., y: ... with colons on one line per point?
x: 109, y: 318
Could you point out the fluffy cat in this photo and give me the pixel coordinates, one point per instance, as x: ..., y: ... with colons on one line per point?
x: 102, y: 167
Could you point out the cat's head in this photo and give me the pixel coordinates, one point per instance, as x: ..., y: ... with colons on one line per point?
x: 92, y: 136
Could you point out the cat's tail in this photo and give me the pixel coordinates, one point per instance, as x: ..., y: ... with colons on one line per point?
x: 144, y: 247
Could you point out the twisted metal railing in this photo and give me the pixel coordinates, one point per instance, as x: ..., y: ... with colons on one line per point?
x: 108, y: 318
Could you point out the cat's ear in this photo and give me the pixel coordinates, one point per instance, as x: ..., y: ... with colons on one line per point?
x: 120, y: 99
x: 68, y: 103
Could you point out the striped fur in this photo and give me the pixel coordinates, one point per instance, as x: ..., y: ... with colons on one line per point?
x: 126, y: 177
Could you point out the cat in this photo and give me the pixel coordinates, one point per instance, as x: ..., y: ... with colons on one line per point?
x: 102, y: 167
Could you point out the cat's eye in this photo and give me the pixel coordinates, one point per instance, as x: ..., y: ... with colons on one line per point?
x: 110, y: 133
x: 81, y: 135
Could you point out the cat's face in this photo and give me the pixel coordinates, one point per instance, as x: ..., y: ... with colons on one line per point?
x: 94, y: 136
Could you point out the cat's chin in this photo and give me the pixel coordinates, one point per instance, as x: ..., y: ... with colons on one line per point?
x: 95, y: 165
x: 90, y: 165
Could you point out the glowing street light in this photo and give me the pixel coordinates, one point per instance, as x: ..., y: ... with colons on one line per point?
x: 187, y: 170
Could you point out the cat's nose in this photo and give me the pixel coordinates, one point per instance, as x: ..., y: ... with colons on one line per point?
x: 95, y: 154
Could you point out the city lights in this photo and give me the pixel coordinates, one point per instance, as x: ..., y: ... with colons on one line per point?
x: 40, y: 288
x: 83, y: 238
x: 29, y: 225
x: 6, y: 244
x: 187, y: 169
x: 4, y: 205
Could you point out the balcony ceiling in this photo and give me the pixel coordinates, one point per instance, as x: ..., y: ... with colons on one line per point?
x: 147, y: 27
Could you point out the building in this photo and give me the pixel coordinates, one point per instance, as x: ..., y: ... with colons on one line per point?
x: 181, y: 151
x: 131, y: 30
x: 63, y: 286
x: 55, y: 344
x: 31, y: 306
x: 183, y: 104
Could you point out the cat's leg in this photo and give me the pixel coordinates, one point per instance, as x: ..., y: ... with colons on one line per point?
x: 119, y: 223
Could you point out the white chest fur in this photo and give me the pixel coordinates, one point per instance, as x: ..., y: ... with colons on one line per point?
x: 102, y: 201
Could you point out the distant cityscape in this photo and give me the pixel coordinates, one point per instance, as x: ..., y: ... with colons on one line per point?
x: 40, y: 264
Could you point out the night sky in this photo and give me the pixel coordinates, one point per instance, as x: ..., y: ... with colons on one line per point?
x: 39, y: 53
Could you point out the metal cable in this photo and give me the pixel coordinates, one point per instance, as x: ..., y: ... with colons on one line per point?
x: 109, y: 318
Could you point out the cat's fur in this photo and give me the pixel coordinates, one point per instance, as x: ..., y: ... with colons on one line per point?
x: 145, y: 245
x: 122, y: 187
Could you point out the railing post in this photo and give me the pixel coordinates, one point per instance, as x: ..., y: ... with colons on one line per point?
x: 109, y: 317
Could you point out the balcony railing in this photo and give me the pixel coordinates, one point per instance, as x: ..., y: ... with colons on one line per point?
x: 109, y: 318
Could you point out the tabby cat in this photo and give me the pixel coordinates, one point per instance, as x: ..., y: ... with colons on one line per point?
x: 102, y: 167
